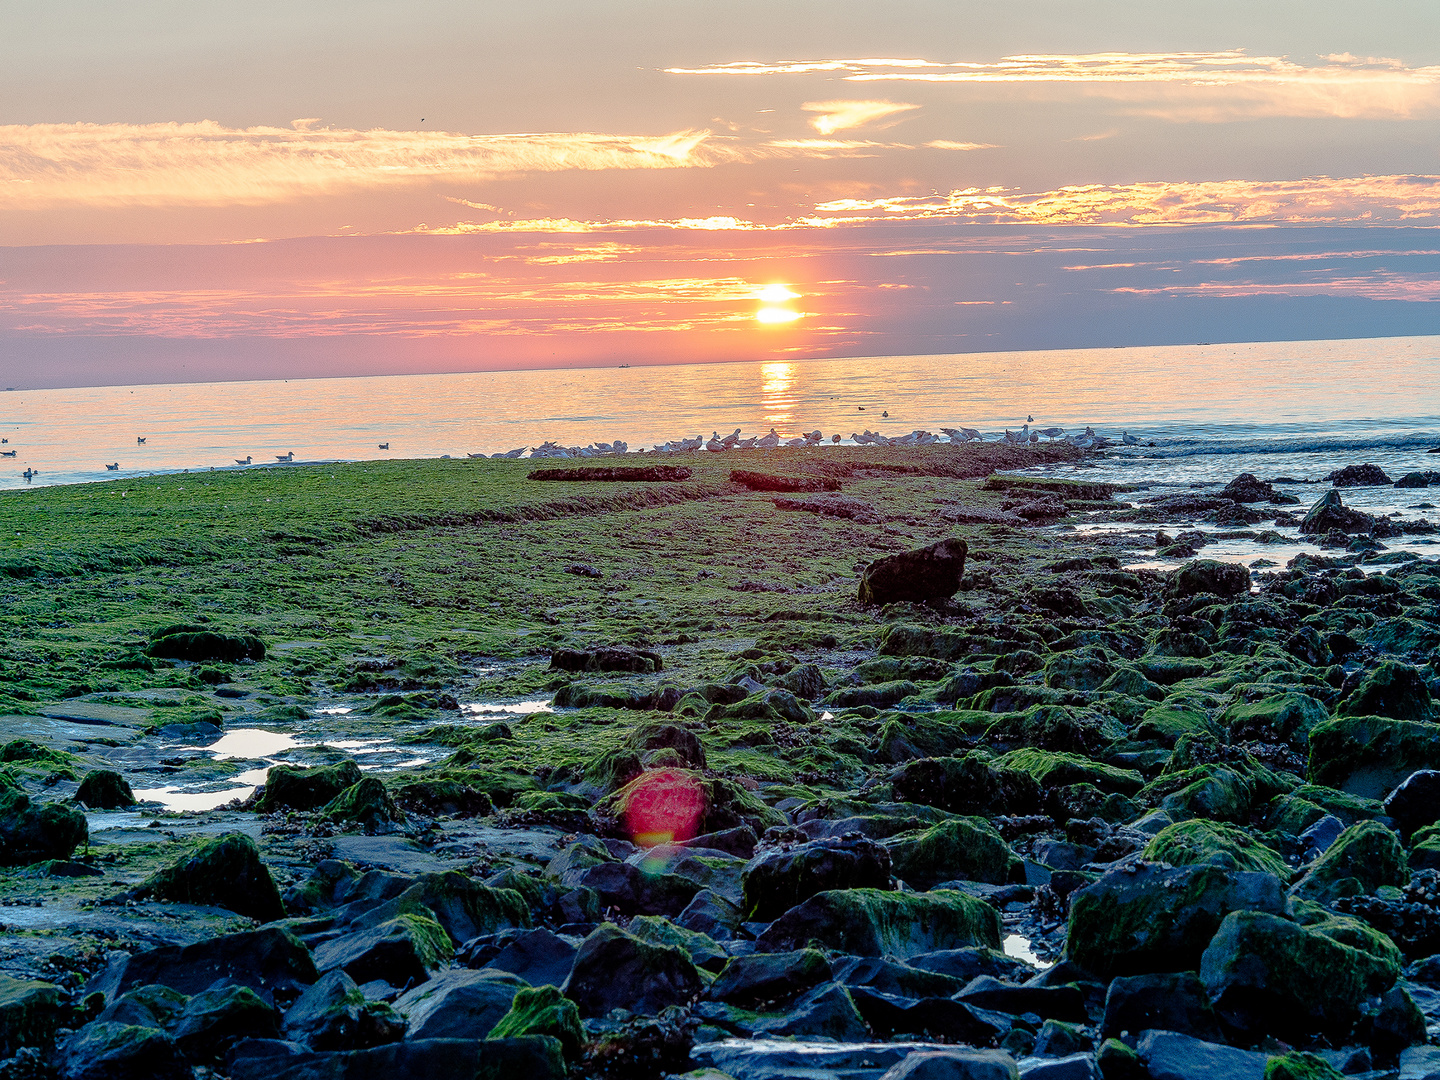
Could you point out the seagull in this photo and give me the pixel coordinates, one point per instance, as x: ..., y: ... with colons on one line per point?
x: 4, y: 440
x: 1129, y: 440
x: 285, y: 457
x: 1029, y: 419
x: 768, y: 441
x: 113, y: 468
x: 245, y: 462
x: 28, y: 473
x: 1051, y: 432
x: 715, y: 445
x: 732, y: 438
x: 382, y: 446
x: 138, y: 439
x: 8, y: 453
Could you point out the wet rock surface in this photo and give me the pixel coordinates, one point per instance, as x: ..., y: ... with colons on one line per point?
x: 879, y: 795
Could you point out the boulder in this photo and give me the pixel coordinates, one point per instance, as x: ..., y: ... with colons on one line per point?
x: 464, y: 908
x: 1416, y: 479
x: 1330, y: 514
x: 207, y: 645
x: 869, y: 922
x: 954, y: 1064
x: 1213, y: 843
x: 366, y: 803
x: 967, y: 784
x: 458, y: 1003
x: 533, y: 1057
x: 776, y: 881
x: 1247, y: 488
x: 104, y: 789
x: 1169, y: 1055
x: 215, y: 1019
x: 1167, y: 1000
x: 1301, y: 1066
x: 635, y: 892
x: 289, y: 787
x: 333, y: 1014
x: 930, y: 573
x: 1366, y: 475
x: 1047, y: 1002
x: 146, y: 1006
x: 542, y: 1011
x: 1415, y: 803
x: 1209, y: 576
x: 31, y: 832
x: 749, y: 982
x: 104, y: 1050
x: 1147, y: 918
x: 614, y: 969
x: 224, y: 872
x: 607, y: 658
x: 271, y: 961
x: 1391, y: 689
x: 1269, y: 976
x: 30, y: 1013
x: 1369, y: 756
x: 401, y: 951
x: 959, y: 849
x: 1283, y: 718
x: 539, y: 957
x: 1363, y: 858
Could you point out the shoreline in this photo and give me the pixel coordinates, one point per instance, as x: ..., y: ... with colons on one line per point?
x: 1054, y: 728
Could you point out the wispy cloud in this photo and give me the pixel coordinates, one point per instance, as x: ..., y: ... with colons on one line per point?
x: 1178, y: 85
x: 208, y: 164
x: 949, y: 144
x: 1378, y: 286
x: 844, y: 115
x: 1368, y: 199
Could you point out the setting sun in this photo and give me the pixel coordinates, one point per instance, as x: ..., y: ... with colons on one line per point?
x: 776, y: 294
x: 776, y: 315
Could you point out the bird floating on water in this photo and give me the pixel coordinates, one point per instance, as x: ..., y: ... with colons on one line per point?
x: 245, y: 462
x: 285, y: 457
x: 113, y: 468
x: 8, y: 453
x: 139, y: 440
x: 28, y: 473
x: 1129, y: 440
x: 384, y: 446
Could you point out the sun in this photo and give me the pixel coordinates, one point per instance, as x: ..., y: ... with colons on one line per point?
x: 776, y: 294
x: 776, y: 315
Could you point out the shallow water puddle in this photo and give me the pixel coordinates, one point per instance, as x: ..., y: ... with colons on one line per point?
x: 1018, y: 946
x: 247, y: 743
x: 173, y: 799
x: 516, y: 708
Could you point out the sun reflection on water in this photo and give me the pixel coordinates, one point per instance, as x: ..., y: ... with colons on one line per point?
x: 777, y: 382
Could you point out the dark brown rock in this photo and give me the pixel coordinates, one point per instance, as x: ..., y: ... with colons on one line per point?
x: 766, y: 482
x: 930, y: 573
x: 614, y: 473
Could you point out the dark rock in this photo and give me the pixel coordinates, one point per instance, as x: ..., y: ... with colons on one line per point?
x: 1168, y: 1055
x: 402, y: 951
x: 967, y: 785
x: 932, y: 572
x: 366, y: 803
x: 458, y: 1003
x: 1330, y: 514
x: 1170, y: 1001
x: 614, y: 969
x: 739, y: 841
x: 30, y: 1013
x: 1247, y: 488
x: 105, y: 789
x: 684, y: 742
x: 1056, y: 1038
x: 534, y: 1057
x: 964, y: 965
x: 1366, y: 475
x: 1390, y: 689
x: 207, y: 645
x: 892, y: 1015
x: 608, y: 658
x: 225, y: 872
x: 1369, y: 756
x: 954, y: 1064
x: 614, y: 473
x: 146, y: 1006
x: 214, y: 1020
x: 869, y: 922
x: 1417, y: 480
x: 778, y: 880
x: 538, y: 956
x: 1147, y: 918
x: 634, y: 892
x: 333, y: 1014
x: 542, y: 1011
x: 110, y: 1051
x: 1415, y: 802
x: 712, y: 914
x: 1209, y: 576
x: 1047, y: 1002
x: 961, y: 848
x: 270, y: 961
x: 754, y: 981
x: 30, y: 832
x: 289, y: 787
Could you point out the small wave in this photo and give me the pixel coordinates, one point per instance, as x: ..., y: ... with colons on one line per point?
x: 1180, y: 448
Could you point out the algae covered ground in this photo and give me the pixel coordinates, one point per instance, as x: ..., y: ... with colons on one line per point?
x: 459, y: 708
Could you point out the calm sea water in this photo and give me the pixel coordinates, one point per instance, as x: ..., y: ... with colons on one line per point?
x: 1295, y: 408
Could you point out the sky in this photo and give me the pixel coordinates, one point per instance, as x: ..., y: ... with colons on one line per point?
x: 208, y: 192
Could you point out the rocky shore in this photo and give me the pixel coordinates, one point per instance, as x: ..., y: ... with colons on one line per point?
x: 860, y: 762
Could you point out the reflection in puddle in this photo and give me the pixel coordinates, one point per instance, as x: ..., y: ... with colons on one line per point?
x: 518, y: 708
x: 194, y: 800
x: 358, y: 746
x: 334, y: 710
x: 1019, y: 947
x: 249, y: 743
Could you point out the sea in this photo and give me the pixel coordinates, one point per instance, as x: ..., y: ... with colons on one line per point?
x: 1202, y: 413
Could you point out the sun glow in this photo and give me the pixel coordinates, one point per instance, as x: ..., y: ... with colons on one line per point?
x: 776, y: 294
x: 776, y: 315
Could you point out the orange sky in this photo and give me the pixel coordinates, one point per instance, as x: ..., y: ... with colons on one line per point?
x: 189, y: 192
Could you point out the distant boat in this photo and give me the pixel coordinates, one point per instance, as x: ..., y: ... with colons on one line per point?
x: 113, y: 468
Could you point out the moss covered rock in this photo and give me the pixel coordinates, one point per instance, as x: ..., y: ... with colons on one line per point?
x: 1301, y: 1066
x: 366, y: 803
x: 1363, y: 858
x: 30, y: 1014
x: 31, y: 832
x: 967, y: 784
x: 966, y: 849
x: 1150, y: 918
x: 1053, y: 769
x: 104, y: 789
x: 1391, y: 689
x: 1369, y: 755
x: 1282, y: 718
x: 225, y: 872
x: 778, y: 880
x: 543, y: 1011
x: 1079, y: 669
x: 869, y: 922
x: 614, y: 969
x: 1190, y: 843
x: 1209, y: 576
x: 1268, y: 974
x: 207, y: 645
x: 288, y: 787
